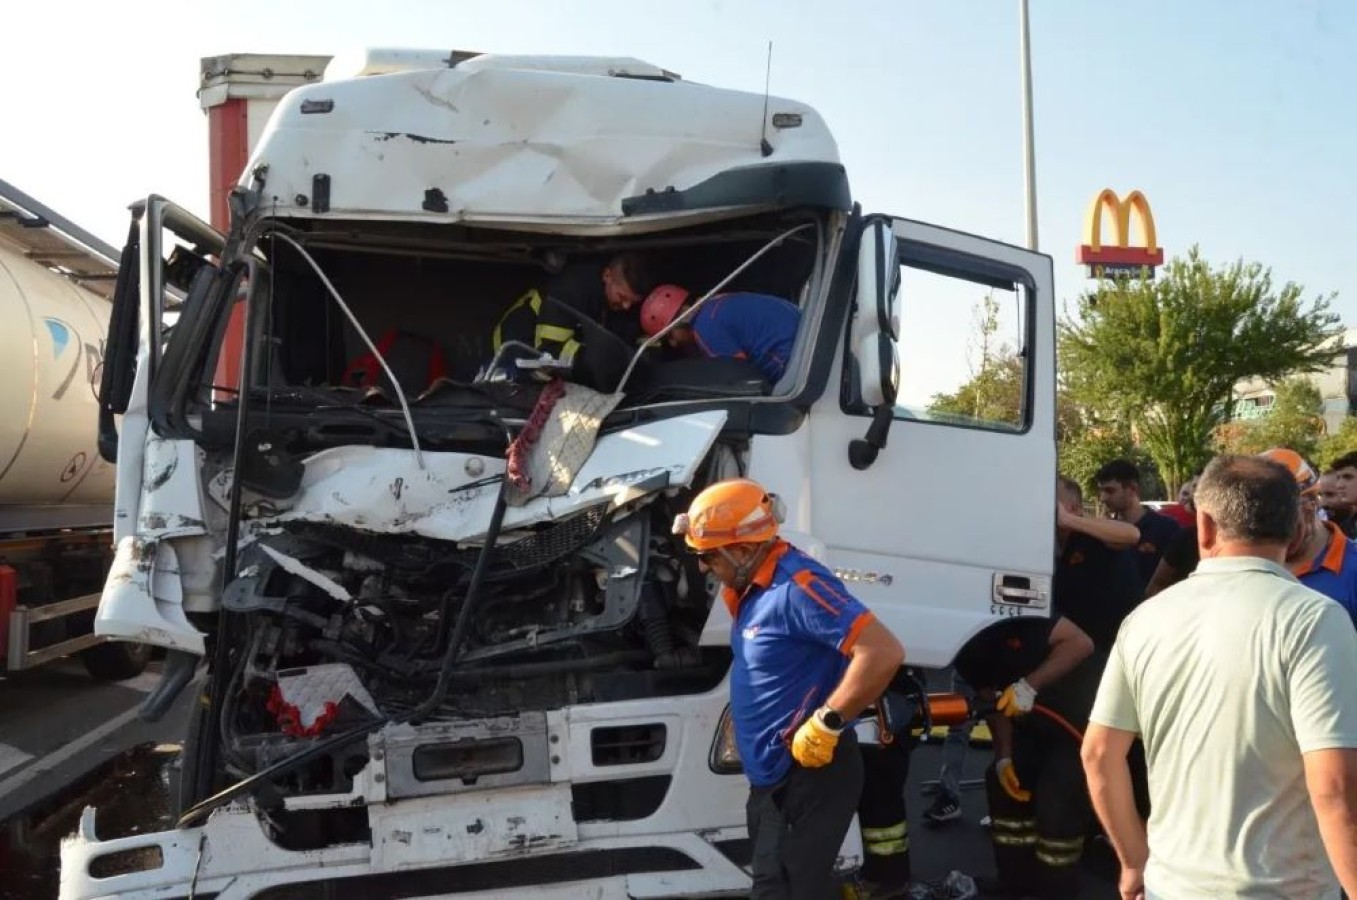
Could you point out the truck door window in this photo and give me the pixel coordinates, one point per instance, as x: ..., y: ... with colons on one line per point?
x: 962, y: 351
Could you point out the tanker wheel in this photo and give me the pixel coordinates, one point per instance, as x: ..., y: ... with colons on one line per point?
x: 116, y: 660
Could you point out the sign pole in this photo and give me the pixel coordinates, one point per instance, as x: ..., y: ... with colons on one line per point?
x: 1029, y: 146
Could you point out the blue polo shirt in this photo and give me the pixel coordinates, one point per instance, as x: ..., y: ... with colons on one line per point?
x: 1333, y: 572
x: 758, y: 327
x: 791, y: 634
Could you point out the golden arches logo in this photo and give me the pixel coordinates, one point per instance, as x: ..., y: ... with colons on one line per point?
x: 1119, y: 254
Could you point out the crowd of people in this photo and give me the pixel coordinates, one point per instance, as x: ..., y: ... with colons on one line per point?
x: 1186, y: 700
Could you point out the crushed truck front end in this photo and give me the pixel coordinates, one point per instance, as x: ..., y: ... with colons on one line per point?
x: 429, y: 673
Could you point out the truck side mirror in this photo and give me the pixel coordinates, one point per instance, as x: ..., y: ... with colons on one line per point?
x: 120, y: 349
x: 875, y: 329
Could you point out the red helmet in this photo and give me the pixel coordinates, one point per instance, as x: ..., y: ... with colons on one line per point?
x: 661, y: 306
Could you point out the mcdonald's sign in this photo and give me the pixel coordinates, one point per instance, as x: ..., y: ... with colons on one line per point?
x: 1120, y: 257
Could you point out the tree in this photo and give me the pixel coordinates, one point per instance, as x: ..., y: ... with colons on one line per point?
x: 1332, y: 446
x: 995, y: 390
x: 1083, y: 452
x: 1163, y: 355
x: 1295, y: 420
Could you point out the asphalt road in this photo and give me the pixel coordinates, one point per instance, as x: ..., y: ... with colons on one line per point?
x: 964, y: 845
x: 67, y: 742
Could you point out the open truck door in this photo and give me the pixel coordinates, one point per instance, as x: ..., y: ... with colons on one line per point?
x: 935, y: 466
x: 168, y: 266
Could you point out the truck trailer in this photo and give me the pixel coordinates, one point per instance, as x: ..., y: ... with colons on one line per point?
x: 56, y: 493
x: 452, y: 646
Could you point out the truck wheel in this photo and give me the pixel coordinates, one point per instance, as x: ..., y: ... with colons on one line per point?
x: 116, y: 660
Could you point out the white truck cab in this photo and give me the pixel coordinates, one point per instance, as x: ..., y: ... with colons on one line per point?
x: 427, y: 676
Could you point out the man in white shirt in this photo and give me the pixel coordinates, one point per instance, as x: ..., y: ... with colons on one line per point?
x: 1240, y: 681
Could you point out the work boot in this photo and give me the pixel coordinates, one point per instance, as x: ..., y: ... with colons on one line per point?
x: 945, y: 808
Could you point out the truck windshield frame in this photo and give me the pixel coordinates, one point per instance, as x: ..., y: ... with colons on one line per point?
x: 186, y: 404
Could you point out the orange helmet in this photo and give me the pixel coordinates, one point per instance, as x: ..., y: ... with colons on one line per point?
x: 738, y: 511
x: 661, y: 306
x: 1307, y: 479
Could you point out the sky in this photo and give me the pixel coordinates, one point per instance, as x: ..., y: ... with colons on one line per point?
x: 1234, y: 117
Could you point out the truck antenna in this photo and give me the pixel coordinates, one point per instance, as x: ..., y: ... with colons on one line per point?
x: 764, y: 146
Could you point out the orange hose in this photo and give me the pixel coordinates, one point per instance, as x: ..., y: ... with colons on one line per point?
x: 1060, y: 720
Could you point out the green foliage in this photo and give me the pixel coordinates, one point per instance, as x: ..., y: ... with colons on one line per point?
x: 1332, y: 446
x: 1084, y: 451
x: 995, y: 391
x: 994, y: 394
x: 1295, y: 420
x: 1163, y: 355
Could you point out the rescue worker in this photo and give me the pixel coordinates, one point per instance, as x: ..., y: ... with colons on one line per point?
x: 1320, y: 554
x: 1039, y: 809
x: 758, y: 327
x: 1096, y: 581
x: 887, y: 742
x: 1119, y: 490
x: 606, y: 295
x: 808, y: 658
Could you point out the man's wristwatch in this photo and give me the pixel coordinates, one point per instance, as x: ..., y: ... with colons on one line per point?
x: 830, y: 718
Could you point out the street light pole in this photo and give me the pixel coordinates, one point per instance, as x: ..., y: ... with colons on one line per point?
x: 1028, y: 147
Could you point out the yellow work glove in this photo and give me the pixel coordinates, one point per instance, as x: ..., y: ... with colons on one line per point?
x: 1008, y: 780
x: 814, y: 743
x: 1017, y: 698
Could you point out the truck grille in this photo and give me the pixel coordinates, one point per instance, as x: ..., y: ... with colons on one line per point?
x: 554, y: 541
x: 627, y: 745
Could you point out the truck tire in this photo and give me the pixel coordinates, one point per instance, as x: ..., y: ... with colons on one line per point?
x: 116, y: 660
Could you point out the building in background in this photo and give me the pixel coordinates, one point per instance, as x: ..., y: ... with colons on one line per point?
x: 1337, y: 386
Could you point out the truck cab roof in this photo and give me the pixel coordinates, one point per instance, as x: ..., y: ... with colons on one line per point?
x: 570, y: 144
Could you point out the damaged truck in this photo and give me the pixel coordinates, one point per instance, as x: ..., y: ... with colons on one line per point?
x: 450, y: 644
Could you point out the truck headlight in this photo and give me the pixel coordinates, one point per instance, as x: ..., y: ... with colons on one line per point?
x: 725, y: 756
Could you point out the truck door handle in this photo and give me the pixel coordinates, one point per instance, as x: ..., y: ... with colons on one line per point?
x: 1018, y: 590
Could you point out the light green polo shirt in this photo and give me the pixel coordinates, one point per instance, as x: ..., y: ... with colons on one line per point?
x: 1229, y: 677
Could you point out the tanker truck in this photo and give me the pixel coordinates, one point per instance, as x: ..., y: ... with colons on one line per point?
x: 56, y: 492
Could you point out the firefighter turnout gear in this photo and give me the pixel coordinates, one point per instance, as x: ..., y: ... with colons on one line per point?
x: 882, y: 817
x: 1038, y: 841
x: 1038, y: 801
x: 524, y: 318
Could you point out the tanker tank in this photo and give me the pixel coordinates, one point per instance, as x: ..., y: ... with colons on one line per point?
x: 51, y: 350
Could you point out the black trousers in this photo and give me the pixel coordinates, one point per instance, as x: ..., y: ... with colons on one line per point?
x: 1038, y: 844
x: 798, y: 826
x: 882, y: 814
